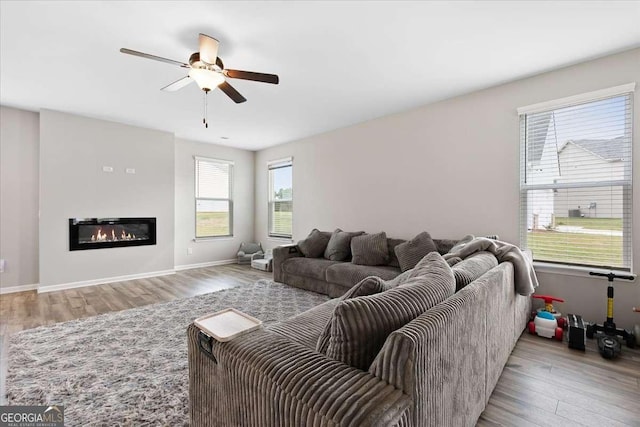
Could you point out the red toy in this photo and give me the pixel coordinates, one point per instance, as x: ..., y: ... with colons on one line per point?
x: 548, y: 306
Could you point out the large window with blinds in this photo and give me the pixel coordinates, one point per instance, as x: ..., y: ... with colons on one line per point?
x: 575, y: 202
x: 281, y: 198
x: 214, y: 198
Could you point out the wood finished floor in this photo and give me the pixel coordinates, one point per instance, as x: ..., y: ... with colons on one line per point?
x: 544, y: 382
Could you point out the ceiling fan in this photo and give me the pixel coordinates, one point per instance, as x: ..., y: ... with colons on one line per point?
x: 207, y: 70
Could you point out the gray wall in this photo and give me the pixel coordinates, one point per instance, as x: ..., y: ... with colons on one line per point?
x: 19, y: 139
x: 450, y: 168
x: 73, y: 150
x: 218, y: 249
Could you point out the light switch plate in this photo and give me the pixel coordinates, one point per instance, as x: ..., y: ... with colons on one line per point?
x: 107, y: 169
x: 1, y: 266
x: 130, y: 170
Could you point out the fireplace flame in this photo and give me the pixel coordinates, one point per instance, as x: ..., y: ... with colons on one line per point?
x: 102, y: 237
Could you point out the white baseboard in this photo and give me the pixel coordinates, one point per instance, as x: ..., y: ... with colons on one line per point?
x: 205, y: 264
x: 83, y: 283
x: 20, y: 288
x: 94, y: 282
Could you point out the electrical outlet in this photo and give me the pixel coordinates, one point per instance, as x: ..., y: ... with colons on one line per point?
x: 189, y: 251
x: 1, y: 266
x: 108, y: 169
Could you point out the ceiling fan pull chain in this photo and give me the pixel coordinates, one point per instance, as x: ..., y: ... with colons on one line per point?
x: 206, y: 109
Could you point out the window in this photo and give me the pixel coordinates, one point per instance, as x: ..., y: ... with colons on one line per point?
x: 575, y: 168
x: 214, y: 199
x: 281, y: 198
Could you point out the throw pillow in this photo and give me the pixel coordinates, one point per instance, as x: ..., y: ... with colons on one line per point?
x: 360, y: 326
x: 444, y: 245
x: 391, y: 244
x: 315, y: 243
x: 370, y: 249
x: 409, y: 253
x: 453, y: 261
x: 422, y: 267
x: 339, y: 246
x: 368, y: 286
x: 472, y: 267
x: 398, y: 280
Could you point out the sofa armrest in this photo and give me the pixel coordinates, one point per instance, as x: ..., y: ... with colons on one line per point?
x: 450, y: 357
x: 265, y: 379
x: 257, y: 255
x: 280, y: 255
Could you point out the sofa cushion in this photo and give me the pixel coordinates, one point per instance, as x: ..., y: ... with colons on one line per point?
x: 315, y: 243
x: 339, y: 246
x: 412, y: 251
x: 359, y: 326
x: 305, y: 328
x: 472, y: 267
x: 315, y: 268
x: 370, y: 249
x: 348, y: 274
x: 391, y: 245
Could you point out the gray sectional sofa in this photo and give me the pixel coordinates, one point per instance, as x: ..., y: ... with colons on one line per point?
x: 438, y: 369
x: 334, y: 278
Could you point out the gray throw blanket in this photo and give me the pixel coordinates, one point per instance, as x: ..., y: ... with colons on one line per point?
x: 526, y: 281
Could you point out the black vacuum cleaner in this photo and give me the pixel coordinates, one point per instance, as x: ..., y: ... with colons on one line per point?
x: 608, y: 334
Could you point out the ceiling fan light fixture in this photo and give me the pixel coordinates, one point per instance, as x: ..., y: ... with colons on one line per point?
x: 206, y: 79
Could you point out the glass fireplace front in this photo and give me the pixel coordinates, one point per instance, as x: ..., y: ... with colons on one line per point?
x: 98, y: 233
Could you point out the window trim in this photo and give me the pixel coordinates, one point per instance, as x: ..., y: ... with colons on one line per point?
x: 576, y: 270
x: 231, y: 164
x: 272, y: 165
x: 524, y: 188
x: 577, y: 99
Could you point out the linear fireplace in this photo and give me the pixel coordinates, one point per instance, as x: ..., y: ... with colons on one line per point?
x: 98, y: 233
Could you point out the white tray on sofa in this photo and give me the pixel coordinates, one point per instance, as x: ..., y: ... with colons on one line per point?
x: 227, y: 324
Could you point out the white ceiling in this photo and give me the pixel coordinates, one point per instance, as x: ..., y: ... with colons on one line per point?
x: 339, y: 63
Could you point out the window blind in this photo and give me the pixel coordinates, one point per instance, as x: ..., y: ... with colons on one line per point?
x: 576, y: 183
x: 214, y: 202
x: 281, y: 198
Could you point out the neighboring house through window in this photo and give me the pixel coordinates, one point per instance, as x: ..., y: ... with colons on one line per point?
x: 214, y: 198
x: 576, y: 183
x: 281, y: 198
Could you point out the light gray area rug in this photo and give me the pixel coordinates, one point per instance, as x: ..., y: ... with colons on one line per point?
x: 130, y: 367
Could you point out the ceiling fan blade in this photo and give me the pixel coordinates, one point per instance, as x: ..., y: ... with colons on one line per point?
x: 232, y: 92
x: 208, y: 47
x: 250, y: 75
x: 178, y: 84
x: 155, y: 58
